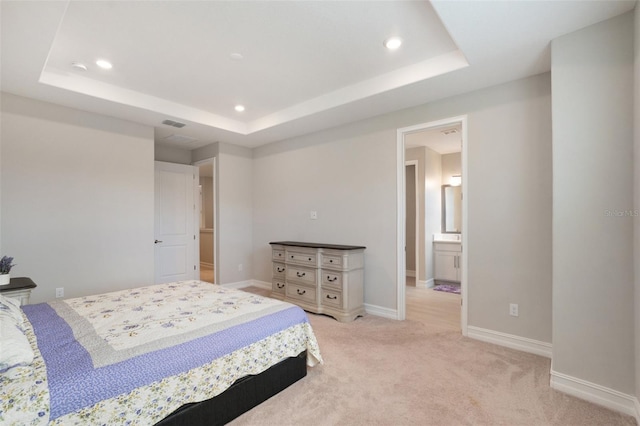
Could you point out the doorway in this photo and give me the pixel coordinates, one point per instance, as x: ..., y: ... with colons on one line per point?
x: 207, y: 219
x: 430, y: 219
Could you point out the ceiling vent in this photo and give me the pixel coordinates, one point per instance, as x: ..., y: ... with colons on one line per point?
x: 449, y: 131
x: 181, y: 139
x: 174, y: 123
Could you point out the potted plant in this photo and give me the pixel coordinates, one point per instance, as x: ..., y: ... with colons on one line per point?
x: 6, y: 263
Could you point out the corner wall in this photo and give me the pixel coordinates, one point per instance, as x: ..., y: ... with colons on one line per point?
x: 593, y: 312
x: 77, y: 198
x: 348, y: 175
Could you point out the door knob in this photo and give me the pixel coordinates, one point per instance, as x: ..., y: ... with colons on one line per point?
x: 157, y: 241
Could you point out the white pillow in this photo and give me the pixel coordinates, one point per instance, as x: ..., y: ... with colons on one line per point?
x: 15, y: 349
x: 11, y: 307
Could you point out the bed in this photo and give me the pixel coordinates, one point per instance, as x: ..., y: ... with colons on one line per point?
x: 180, y: 353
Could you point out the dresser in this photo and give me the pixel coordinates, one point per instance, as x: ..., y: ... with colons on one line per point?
x: 19, y: 288
x: 320, y: 278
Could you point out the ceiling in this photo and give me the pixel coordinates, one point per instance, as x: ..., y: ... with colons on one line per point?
x: 445, y: 139
x: 297, y: 67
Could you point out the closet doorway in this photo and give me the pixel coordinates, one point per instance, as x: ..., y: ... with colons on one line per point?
x: 207, y: 206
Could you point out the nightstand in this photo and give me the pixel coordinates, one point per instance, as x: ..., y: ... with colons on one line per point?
x: 19, y: 288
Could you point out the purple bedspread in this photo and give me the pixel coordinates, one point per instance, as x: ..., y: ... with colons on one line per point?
x: 74, y: 383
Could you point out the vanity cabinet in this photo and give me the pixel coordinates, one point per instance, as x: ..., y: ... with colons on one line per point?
x: 320, y: 278
x: 448, y: 261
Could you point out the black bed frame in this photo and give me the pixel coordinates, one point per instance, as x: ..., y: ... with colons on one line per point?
x: 242, y: 396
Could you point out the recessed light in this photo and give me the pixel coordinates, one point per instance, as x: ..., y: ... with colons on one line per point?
x: 79, y: 66
x: 239, y: 108
x: 236, y: 56
x: 392, y: 43
x: 104, y: 64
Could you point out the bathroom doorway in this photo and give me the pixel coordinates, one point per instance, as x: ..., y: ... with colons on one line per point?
x: 207, y: 206
x: 436, y: 165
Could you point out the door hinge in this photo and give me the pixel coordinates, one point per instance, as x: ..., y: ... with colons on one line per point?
x: 194, y: 267
x: 194, y: 237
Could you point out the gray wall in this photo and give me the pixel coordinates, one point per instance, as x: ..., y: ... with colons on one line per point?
x: 77, y: 198
x: 451, y: 166
x: 593, y: 328
x: 171, y: 154
x: 412, y: 231
x: 636, y: 195
x: 348, y: 174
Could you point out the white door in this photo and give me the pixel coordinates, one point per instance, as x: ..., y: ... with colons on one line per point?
x: 176, y: 227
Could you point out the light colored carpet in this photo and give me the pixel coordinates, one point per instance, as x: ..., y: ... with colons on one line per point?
x: 385, y: 372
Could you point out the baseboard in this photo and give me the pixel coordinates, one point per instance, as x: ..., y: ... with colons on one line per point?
x: 381, y: 311
x: 425, y: 284
x: 248, y: 283
x: 595, y: 393
x: 238, y: 284
x: 262, y: 284
x: 636, y: 403
x: 510, y: 341
x: 411, y: 273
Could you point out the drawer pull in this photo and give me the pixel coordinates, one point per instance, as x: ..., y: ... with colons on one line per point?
x: 331, y: 280
x: 280, y: 285
x: 300, y: 293
x: 332, y: 298
x: 330, y: 260
x: 301, y: 275
x: 279, y: 254
x: 280, y: 269
x: 309, y: 259
x: 292, y: 256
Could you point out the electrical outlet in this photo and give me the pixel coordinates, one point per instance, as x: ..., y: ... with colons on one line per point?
x: 59, y: 292
x: 513, y: 309
x: 313, y: 215
x: 240, y: 267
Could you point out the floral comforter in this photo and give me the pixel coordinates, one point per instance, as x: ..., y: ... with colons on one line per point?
x: 135, y: 356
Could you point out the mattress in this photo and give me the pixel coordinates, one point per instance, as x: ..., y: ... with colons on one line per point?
x: 135, y: 356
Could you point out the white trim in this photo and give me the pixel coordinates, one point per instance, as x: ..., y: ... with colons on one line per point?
x: 592, y: 392
x: 262, y: 284
x: 636, y: 403
x: 381, y: 311
x: 430, y: 283
x: 410, y: 273
x: 248, y: 283
x: 238, y: 284
x: 401, y: 278
x: 418, y: 248
x: 400, y: 214
x: 216, y: 215
x: 510, y: 341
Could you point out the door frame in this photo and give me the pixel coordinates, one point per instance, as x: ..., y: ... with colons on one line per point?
x: 216, y: 264
x: 401, y: 218
x: 417, y: 248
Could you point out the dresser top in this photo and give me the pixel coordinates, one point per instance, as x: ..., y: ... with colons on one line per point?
x: 317, y: 245
x: 18, y: 284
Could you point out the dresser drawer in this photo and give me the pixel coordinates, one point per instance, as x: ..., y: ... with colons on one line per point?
x: 302, y: 258
x: 277, y: 255
x: 332, y: 298
x: 301, y: 275
x: 279, y: 270
x: 278, y: 286
x: 331, y: 279
x: 301, y: 292
x: 329, y: 261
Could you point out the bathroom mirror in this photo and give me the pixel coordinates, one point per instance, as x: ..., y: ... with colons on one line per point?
x: 451, y: 209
